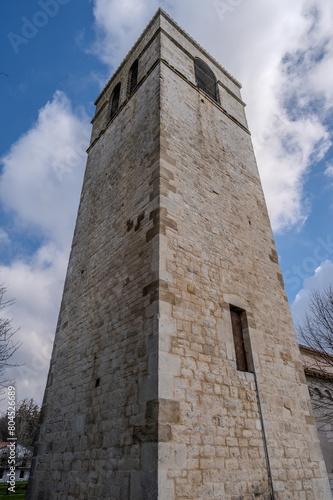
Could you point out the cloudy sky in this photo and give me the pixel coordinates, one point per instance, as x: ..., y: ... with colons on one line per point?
x: 58, y: 54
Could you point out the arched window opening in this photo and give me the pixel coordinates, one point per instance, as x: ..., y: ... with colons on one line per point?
x: 205, y: 78
x: 115, y: 99
x: 133, y: 76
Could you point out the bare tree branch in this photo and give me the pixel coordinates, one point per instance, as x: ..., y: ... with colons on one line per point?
x: 316, y: 333
x: 7, y: 345
x: 27, y: 416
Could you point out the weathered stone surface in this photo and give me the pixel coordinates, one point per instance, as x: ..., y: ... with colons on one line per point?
x: 169, y: 411
x: 172, y: 230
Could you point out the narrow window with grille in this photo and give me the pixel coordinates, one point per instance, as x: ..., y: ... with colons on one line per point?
x: 133, y: 76
x: 205, y: 78
x: 115, y: 100
x: 241, y: 339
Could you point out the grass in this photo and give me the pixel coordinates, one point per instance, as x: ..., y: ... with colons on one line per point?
x: 20, y: 490
x: 13, y: 496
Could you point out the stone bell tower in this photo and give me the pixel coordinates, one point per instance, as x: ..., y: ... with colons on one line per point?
x: 175, y: 371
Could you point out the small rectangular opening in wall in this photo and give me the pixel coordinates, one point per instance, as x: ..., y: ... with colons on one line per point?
x: 241, y: 339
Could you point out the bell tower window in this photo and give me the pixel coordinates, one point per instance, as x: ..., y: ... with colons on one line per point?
x: 133, y: 76
x: 115, y: 100
x: 205, y: 78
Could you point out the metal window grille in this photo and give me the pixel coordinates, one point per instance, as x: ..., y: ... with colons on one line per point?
x: 115, y: 100
x: 205, y: 78
x: 133, y: 76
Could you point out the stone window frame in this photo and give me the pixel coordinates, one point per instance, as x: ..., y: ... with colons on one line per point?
x: 245, y: 336
x: 115, y: 99
x: 134, y: 70
x: 205, y: 79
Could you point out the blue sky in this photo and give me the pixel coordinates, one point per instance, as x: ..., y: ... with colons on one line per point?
x: 60, y: 53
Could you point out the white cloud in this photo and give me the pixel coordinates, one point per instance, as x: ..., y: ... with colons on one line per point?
x: 4, y: 238
x: 36, y: 287
x: 285, y: 155
x: 118, y: 25
x: 286, y: 109
x: 42, y: 172
x: 329, y: 170
x: 322, y: 277
x: 283, y: 58
x: 40, y: 185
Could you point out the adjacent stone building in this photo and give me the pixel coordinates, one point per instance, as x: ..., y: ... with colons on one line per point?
x: 318, y: 368
x: 175, y: 348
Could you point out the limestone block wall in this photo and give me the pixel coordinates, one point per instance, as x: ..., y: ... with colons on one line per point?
x: 179, y: 49
x: 325, y: 428
x: 98, y: 435
x: 144, y: 400
x: 220, y: 252
x: 188, y: 46
x: 147, y: 51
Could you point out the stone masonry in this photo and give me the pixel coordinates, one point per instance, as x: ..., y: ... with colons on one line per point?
x: 144, y: 400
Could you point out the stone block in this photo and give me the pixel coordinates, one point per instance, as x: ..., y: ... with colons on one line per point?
x: 171, y: 455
